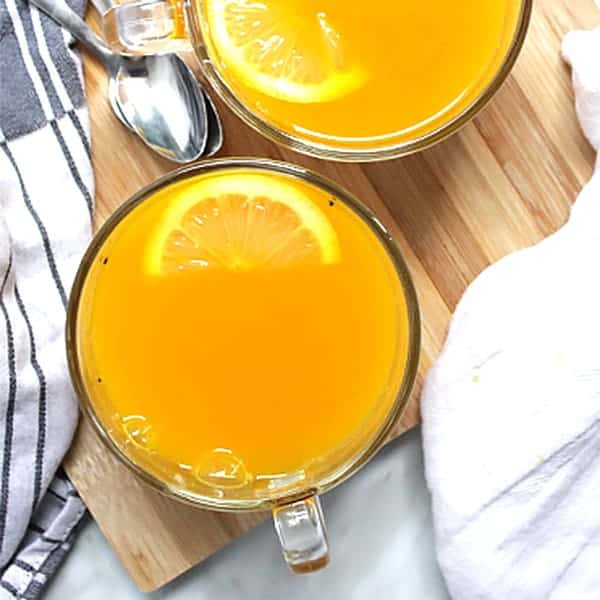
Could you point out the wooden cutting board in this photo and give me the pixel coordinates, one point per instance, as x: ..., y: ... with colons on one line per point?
x: 504, y: 182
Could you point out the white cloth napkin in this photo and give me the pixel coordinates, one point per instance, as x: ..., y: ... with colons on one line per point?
x: 46, y: 190
x: 511, y: 410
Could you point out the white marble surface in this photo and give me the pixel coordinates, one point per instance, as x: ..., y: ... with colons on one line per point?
x: 380, y: 535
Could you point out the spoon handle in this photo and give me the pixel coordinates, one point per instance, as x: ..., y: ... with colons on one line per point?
x: 59, y: 11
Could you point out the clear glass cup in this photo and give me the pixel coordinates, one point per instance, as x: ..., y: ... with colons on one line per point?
x: 293, y: 500
x: 151, y: 26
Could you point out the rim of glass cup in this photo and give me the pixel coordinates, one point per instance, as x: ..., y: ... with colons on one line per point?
x: 361, y: 155
x: 408, y: 376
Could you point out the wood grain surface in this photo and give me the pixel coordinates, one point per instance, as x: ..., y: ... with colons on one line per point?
x: 505, y: 181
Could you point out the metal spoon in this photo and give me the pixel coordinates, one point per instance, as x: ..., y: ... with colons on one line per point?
x: 214, y: 141
x: 158, y: 97
x: 215, y: 129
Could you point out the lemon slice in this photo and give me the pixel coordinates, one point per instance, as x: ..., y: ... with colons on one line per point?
x: 282, y: 50
x: 240, y: 221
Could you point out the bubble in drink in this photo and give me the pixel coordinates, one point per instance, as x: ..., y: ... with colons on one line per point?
x: 139, y: 432
x: 222, y: 469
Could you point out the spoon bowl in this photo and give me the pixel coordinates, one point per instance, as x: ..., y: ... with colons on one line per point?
x: 160, y: 99
x: 214, y: 141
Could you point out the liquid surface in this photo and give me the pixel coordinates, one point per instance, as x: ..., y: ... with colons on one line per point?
x: 243, y: 371
x: 421, y: 63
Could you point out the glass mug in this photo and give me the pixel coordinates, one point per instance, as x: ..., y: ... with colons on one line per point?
x: 371, y: 372
x: 345, y: 81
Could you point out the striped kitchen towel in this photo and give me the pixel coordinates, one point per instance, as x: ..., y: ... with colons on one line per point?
x: 46, y: 191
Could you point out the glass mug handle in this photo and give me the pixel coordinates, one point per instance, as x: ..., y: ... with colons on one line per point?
x: 301, y: 530
x: 147, y: 27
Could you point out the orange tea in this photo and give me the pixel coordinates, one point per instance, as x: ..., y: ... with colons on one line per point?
x: 352, y: 74
x: 241, y: 325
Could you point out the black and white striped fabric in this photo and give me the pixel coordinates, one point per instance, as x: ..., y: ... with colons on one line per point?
x: 46, y: 191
